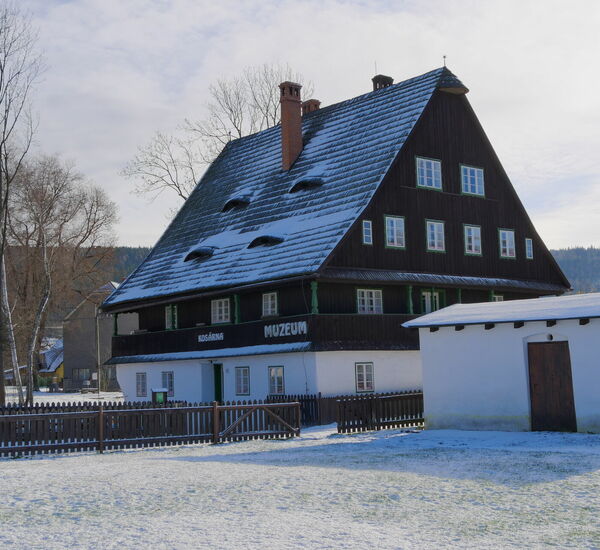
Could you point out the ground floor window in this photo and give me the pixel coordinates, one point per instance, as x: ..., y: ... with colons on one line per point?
x: 242, y: 380
x: 276, y: 384
x: 140, y: 384
x: 497, y: 298
x: 364, y: 377
x: 81, y: 374
x: 431, y: 300
x: 168, y: 382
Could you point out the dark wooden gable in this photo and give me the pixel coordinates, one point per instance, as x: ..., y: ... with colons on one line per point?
x: 448, y: 131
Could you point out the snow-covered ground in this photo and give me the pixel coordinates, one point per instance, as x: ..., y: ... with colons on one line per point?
x: 40, y: 397
x: 389, y: 489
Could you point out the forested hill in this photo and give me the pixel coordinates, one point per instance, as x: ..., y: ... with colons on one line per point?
x: 581, y: 265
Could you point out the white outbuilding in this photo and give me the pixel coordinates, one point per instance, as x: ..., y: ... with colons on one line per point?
x: 515, y: 365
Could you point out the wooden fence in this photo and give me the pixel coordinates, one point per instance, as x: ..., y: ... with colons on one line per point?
x: 117, y: 426
x: 379, y: 411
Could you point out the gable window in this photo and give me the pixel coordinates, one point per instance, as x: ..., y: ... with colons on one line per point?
x: 529, y: 249
x: 394, y: 232
x: 369, y: 300
x: 507, y: 243
x: 367, y: 232
x: 269, y: 304
x: 171, y: 321
x: 140, y: 384
x: 435, y: 236
x: 431, y: 300
x: 364, y: 377
x: 242, y: 380
x: 472, y: 240
x: 472, y: 180
x: 168, y: 382
x: 219, y: 311
x: 276, y: 386
x: 429, y: 173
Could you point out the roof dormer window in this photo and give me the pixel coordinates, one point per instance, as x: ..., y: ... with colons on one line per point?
x: 306, y: 183
x: 199, y: 253
x: 265, y: 240
x: 235, y: 202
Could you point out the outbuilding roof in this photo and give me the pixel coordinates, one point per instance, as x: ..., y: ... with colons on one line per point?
x: 348, y: 149
x: 554, y: 308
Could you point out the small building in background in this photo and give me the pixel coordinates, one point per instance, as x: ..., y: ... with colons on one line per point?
x: 52, y: 363
x: 519, y: 365
x: 87, y: 334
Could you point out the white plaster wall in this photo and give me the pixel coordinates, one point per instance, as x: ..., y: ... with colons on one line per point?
x: 299, y: 374
x: 393, y: 370
x: 188, y: 379
x: 478, y: 379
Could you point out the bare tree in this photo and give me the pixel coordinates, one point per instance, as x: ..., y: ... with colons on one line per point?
x: 238, y: 107
x: 58, y: 223
x: 20, y: 67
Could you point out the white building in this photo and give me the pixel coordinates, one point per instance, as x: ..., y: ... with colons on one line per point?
x: 518, y: 365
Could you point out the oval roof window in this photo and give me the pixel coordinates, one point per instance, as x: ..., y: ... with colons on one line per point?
x: 235, y: 202
x: 199, y: 253
x: 265, y: 240
x: 309, y: 182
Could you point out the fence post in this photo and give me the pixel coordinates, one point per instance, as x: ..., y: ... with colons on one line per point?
x: 216, y: 423
x: 299, y: 416
x: 100, y: 428
x: 319, y: 398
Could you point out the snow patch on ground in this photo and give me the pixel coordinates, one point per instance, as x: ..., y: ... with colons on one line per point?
x: 388, y: 489
x: 46, y: 398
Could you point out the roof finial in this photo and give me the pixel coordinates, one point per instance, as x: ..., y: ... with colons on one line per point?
x: 444, y: 60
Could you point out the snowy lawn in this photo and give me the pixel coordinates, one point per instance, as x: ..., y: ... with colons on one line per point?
x: 388, y: 489
x: 42, y: 397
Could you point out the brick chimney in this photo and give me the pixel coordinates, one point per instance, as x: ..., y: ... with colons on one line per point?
x: 291, y: 123
x: 381, y: 81
x: 310, y: 105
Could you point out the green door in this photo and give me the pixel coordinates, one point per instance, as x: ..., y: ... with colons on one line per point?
x: 218, y: 370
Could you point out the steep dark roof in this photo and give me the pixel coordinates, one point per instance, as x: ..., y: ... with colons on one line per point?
x: 349, y: 146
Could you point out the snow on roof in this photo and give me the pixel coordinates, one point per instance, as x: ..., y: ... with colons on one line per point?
x: 53, y: 357
x: 351, y: 145
x: 574, y: 306
x: 212, y: 353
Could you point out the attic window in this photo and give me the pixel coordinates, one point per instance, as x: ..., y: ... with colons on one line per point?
x: 306, y: 183
x: 265, y: 240
x: 199, y: 253
x: 236, y: 202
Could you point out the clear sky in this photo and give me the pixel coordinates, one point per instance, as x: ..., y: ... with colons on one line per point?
x: 120, y: 69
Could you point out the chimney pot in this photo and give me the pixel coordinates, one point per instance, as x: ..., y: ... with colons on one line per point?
x: 310, y: 105
x: 381, y: 81
x: 291, y: 123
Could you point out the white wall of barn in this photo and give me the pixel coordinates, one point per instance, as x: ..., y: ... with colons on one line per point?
x: 479, y: 379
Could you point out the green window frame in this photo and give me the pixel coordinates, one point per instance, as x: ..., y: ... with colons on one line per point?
x: 472, y: 180
x: 171, y: 317
x: 507, y: 244
x: 472, y: 237
x: 395, y: 232
x: 429, y: 173
x: 434, y: 224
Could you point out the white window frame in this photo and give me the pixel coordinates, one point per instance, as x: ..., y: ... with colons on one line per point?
x: 141, y: 388
x: 506, y: 242
x: 472, y: 235
x: 276, y: 380
x: 367, y: 232
x: 270, y: 304
x: 167, y: 378
x: 431, y: 300
x: 529, y: 248
x: 434, y: 243
x: 429, y: 173
x: 171, y: 317
x: 369, y: 301
x: 220, y: 311
x: 472, y: 180
x: 497, y: 298
x: 395, y: 232
x: 242, y: 380
x: 364, y: 377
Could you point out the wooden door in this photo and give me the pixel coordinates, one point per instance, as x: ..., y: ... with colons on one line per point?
x: 551, y: 387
